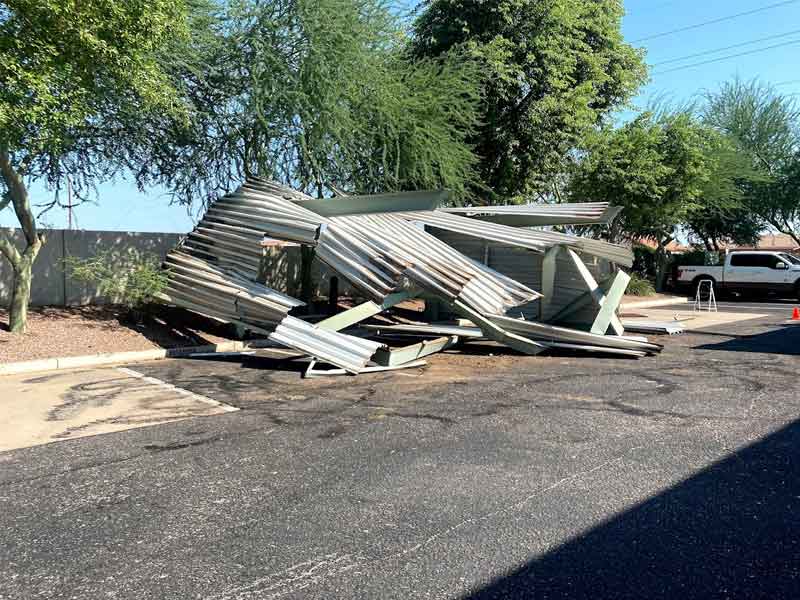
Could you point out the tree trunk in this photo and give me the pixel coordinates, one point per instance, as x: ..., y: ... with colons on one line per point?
x: 21, y: 292
x: 662, y: 261
x: 22, y: 264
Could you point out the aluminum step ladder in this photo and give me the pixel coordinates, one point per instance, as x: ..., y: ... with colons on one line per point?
x: 709, y: 298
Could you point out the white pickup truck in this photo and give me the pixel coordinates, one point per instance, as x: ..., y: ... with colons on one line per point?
x: 748, y: 272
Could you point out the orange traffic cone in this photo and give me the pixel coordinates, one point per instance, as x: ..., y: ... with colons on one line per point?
x: 796, y: 314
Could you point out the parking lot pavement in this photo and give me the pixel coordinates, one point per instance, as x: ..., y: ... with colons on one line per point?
x: 477, y: 477
x: 50, y: 407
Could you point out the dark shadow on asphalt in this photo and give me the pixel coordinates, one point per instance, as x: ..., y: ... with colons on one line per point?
x: 732, y: 531
x: 785, y: 340
x: 254, y: 361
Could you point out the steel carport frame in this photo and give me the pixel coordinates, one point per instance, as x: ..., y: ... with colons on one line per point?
x: 380, y: 245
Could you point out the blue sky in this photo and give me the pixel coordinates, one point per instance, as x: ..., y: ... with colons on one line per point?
x: 122, y: 207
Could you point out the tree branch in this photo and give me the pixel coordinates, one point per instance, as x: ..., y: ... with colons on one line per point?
x: 10, y: 251
x: 5, y: 201
x: 19, y: 197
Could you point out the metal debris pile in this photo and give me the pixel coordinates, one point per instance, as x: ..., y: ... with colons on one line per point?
x: 392, y: 248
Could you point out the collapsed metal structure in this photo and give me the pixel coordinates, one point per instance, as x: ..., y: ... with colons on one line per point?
x: 385, y: 246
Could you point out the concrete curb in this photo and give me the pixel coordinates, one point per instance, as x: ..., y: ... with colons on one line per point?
x: 112, y: 358
x: 654, y: 303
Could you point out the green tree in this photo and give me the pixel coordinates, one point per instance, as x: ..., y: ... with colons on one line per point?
x: 714, y: 227
x: 553, y: 69
x: 76, y: 78
x: 725, y: 216
x: 664, y: 171
x: 766, y: 125
x: 317, y: 93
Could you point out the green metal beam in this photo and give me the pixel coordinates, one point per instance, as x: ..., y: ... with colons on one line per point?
x: 401, y: 356
x: 606, y: 314
x: 497, y: 333
x: 363, y: 311
x: 549, y: 263
x: 608, y: 310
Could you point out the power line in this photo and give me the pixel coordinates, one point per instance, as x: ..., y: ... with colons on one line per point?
x: 721, y: 58
x: 652, y: 8
x: 715, y: 21
x: 731, y: 47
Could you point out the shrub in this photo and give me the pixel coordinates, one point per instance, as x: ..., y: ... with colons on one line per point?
x: 131, y: 279
x: 640, y: 287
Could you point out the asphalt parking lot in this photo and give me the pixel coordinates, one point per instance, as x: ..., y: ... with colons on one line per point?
x: 482, y: 475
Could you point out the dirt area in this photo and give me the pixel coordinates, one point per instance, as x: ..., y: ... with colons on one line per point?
x: 78, y: 331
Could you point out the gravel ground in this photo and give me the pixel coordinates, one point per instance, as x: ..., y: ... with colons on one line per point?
x: 77, y: 331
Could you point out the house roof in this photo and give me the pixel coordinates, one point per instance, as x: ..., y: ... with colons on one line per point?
x: 769, y: 241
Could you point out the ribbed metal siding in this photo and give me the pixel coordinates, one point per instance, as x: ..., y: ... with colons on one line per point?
x: 525, y: 267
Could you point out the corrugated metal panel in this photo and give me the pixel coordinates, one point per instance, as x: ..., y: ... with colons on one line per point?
x: 662, y: 327
x: 214, y: 270
x: 345, y: 351
x: 435, y: 266
x: 525, y: 267
x: 533, y: 239
x: 534, y: 215
x: 550, y: 333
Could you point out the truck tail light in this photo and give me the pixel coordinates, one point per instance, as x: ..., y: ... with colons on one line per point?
x: 680, y: 273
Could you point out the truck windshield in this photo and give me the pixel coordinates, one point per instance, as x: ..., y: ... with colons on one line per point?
x: 792, y: 259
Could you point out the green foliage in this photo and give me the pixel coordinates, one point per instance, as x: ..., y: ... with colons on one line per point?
x: 131, y: 279
x: 75, y: 78
x: 698, y: 257
x: 316, y: 93
x: 79, y: 81
x: 725, y: 216
x: 655, y: 169
x: 553, y: 69
x: 639, y: 286
x: 644, y: 261
x: 664, y: 171
x: 765, y: 126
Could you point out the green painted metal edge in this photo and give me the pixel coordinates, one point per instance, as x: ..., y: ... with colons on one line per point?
x: 549, y: 263
x: 601, y: 298
x: 497, y: 333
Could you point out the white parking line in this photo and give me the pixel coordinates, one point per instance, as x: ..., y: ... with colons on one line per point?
x: 174, y: 388
x: 765, y: 306
x: 734, y: 305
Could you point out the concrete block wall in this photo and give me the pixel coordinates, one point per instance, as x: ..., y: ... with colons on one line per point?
x: 51, y: 286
